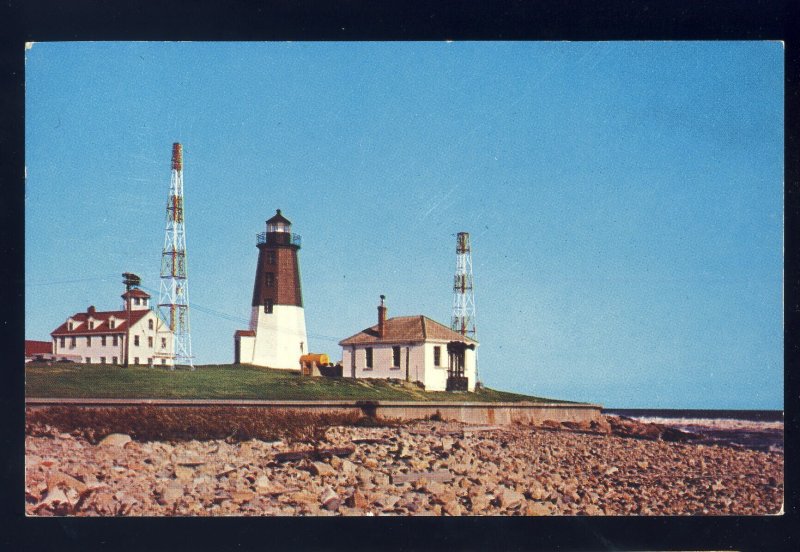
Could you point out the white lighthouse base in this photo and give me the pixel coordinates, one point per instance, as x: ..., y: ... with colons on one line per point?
x: 280, y: 338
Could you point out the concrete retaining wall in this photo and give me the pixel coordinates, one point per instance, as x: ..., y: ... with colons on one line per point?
x: 472, y: 413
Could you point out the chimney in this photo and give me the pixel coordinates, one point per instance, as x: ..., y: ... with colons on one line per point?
x: 382, y: 318
x: 91, y: 309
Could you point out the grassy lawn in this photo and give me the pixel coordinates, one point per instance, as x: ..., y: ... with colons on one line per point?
x: 226, y: 382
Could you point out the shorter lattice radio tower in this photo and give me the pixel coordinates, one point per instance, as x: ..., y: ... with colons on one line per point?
x: 173, y: 302
x: 463, y: 320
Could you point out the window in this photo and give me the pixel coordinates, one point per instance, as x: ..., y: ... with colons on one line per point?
x: 150, y: 324
x: 112, y: 323
x: 268, y: 306
x: 163, y: 362
x: 368, y: 352
x: 91, y: 325
x: 150, y: 341
x: 437, y: 356
x: 396, y: 357
x: 114, y: 360
x: 71, y: 326
x: 71, y: 342
x: 114, y: 341
x: 270, y: 257
x: 88, y: 360
x: 135, y: 360
x: 136, y: 342
x: 269, y: 279
x: 103, y: 340
x: 163, y: 342
x: 102, y: 360
x: 63, y: 342
x: 135, y: 300
x: 88, y: 341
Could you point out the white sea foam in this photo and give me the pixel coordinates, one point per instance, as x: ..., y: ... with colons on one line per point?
x: 712, y: 423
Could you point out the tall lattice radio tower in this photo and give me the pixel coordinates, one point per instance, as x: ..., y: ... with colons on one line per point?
x: 173, y: 303
x: 463, y: 320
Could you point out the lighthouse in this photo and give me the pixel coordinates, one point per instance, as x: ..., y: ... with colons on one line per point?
x: 276, y: 337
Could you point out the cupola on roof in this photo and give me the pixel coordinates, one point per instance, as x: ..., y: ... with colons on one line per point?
x: 136, y: 292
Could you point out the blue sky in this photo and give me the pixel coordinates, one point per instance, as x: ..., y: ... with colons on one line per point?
x: 625, y: 200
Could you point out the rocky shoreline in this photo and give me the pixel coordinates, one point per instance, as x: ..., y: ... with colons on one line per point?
x: 612, y: 466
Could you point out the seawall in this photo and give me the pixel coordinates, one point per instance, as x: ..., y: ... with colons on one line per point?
x: 501, y: 413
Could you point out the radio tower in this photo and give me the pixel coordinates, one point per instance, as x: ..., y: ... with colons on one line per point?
x: 173, y: 303
x: 463, y: 320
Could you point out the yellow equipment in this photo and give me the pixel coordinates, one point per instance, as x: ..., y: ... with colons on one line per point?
x: 310, y: 363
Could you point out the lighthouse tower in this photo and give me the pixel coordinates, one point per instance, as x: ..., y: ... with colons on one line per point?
x: 277, y: 334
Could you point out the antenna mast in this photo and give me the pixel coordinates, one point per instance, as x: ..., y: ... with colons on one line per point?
x: 173, y: 303
x: 463, y: 320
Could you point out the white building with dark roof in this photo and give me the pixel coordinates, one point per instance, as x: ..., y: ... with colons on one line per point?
x: 134, y: 333
x: 414, y: 349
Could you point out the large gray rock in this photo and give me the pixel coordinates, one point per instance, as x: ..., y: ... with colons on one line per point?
x: 329, y: 499
x: 322, y: 469
x: 115, y: 440
x: 171, y: 493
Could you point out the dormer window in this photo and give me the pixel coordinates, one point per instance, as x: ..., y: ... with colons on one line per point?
x: 112, y: 323
x: 71, y: 326
x: 91, y: 324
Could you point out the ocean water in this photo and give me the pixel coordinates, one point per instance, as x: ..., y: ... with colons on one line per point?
x: 750, y: 429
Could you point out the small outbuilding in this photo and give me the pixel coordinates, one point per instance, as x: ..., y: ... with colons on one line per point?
x: 414, y: 349
x: 38, y: 350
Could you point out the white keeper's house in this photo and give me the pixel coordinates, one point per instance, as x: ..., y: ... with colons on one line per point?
x: 134, y: 333
x: 411, y: 348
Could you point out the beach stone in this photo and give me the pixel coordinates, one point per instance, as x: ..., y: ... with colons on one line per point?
x: 329, y: 499
x: 536, y: 508
x: 64, y: 481
x: 536, y: 490
x: 115, y: 440
x: 322, y: 469
x: 303, y: 497
x: 357, y: 500
x: 432, y: 487
x: 387, y: 502
x: 452, y: 507
x: 370, y: 463
x: 262, y: 483
x: 479, y: 503
x: 239, y: 497
x: 508, y: 498
x: 348, y: 467
x: 53, y: 499
x: 183, y: 473
x: 171, y: 493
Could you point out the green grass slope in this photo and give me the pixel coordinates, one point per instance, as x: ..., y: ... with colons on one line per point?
x: 227, y: 382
